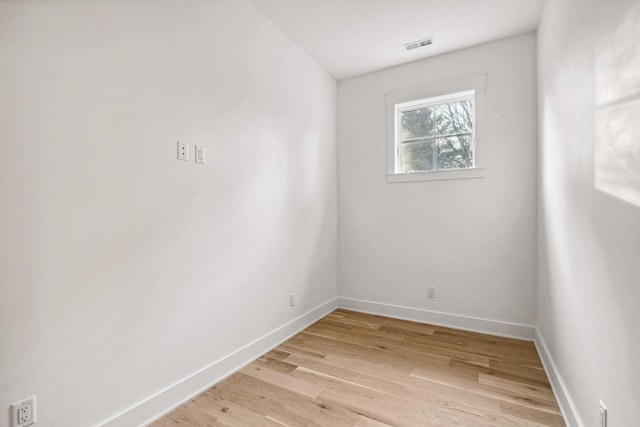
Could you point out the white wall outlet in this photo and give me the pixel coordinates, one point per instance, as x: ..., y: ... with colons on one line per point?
x: 431, y: 292
x: 23, y: 414
x: 199, y: 154
x: 603, y: 415
x: 292, y: 300
x: 183, y: 151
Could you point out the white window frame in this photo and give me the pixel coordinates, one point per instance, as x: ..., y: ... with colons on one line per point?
x: 434, y: 94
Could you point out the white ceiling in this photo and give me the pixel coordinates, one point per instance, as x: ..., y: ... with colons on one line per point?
x: 353, y: 37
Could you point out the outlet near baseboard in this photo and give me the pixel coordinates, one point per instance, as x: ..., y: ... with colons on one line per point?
x: 23, y: 414
x: 603, y: 414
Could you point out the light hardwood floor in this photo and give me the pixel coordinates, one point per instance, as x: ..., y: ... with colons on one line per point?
x: 354, y: 369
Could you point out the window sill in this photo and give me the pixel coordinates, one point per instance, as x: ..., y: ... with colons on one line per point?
x: 470, y: 173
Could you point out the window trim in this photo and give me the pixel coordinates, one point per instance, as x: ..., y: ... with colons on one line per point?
x: 417, y: 96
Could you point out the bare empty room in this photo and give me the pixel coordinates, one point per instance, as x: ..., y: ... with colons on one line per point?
x: 319, y: 213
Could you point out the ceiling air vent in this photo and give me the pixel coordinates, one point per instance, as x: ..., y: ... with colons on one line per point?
x: 419, y: 43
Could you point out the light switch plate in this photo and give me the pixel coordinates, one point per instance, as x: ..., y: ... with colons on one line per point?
x: 200, y: 154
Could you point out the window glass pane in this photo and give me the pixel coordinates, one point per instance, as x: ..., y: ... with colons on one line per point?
x: 417, y: 123
x: 455, y: 152
x: 454, y: 118
x: 417, y: 156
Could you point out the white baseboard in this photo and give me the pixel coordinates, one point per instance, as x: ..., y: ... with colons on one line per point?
x: 568, y: 408
x: 173, y: 396
x: 473, y: 324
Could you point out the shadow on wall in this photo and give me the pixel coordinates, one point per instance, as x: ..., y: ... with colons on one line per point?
x: 617, y: 100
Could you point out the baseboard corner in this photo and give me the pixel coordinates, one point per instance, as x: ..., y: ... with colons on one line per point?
x: 567, y: 407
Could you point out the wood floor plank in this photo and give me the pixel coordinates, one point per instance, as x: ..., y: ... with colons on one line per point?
x: 394, y: 323
x: 276, y: 354
x: 279, y: 379
x: 466, y: 379
x: 526, y: 389
x: 191, y: 415
x: 393, y: 381
x: 279, y: 365
x: 360, y: 350
x: 416, y: 349
x: 230, y: 413
x: 508, y: 367
x: 166, y: 422
x: 354, y: 322
x: 368, y: 422
x: 355, y: 369
x: 321, y: 367
x: 528, y: 413
x: 283, y: 405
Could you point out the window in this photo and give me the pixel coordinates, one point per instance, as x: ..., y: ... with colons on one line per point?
x: 432, y: 131
x: 435, y: 133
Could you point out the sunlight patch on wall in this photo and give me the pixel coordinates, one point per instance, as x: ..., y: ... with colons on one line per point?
x: 617, y: 115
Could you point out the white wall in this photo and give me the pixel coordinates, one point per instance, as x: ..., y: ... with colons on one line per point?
x: 474, y: 239
x: 589, y: 241
x: 122, y: 269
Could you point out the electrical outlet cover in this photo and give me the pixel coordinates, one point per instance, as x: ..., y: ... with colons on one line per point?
x: 603, y: 414
x: 23, y: 414
x: 183, y: 151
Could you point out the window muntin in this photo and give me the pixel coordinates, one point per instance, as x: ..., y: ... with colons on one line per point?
x: 435, y: 134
